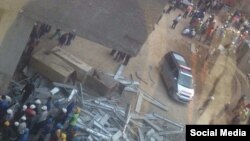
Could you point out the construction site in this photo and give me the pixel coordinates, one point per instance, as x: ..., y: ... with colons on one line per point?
x: 88, y: 70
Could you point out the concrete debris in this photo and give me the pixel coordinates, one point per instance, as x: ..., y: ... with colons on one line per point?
x: 170, y: 132
x: 169, y: 121
x: 73, y: 92
x: 63, y: 85
x: 54, y: 90
x: 119, y: 72
x: 110, y: 118
x: 138, y: 103
x: 150, y: 132
x: 141, y: 136
x: 116, y: 136
x: 152, y: 124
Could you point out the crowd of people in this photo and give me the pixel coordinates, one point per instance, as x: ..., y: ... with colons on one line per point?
x: 205, y: 29
x: 30, y: 117
x: 120, y: 56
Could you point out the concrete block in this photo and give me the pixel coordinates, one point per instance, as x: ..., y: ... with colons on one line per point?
x: 153, y: 125
x: 116, y: 136
x: 100, y: 84
x: 51, y: 66
x: 54, y: 90
x: 141, y: 136
x: 150, y: 132
x: 82, y: 68
x: 104, y: 119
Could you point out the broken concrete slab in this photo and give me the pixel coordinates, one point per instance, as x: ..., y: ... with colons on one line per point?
x: 63, y: 85
x: 141, y: 135
x: 51, y: 66
x: 168, y: 120
x: 91, y: 131
x: 104, y: 119
x: 119, y: 71
x: 98, y: 125
x: 117, y: 135
x: 82, y: 68
x: 150, y: 132
x: 153, y: 125
x: 163, y: 133
x: 73, y: 92
x: 139, y: 103
x: 100, y: 84
x: 54, y: 90
x: 157, y: 137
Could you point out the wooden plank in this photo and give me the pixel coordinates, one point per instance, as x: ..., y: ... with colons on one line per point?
x: 82, y: 68
x: 138, y: 103
x: 51, y: 66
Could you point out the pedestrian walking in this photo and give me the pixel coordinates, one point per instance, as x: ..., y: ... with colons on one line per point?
x: 176, y: 21
x: 27, y: 91
x: 56, y: 34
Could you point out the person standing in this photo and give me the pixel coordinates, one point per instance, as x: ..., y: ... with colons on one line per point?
x: 61, y: 116
x: 41, y: 120
x: 46, y: 129
x: 49, y: 103
x: 188, y: 10
x: 63, y: 39
x: 27, y: 91
x: 30, y: 113
x: 22, y: 126
x: 71, y: 36
x: 73, y: 119
x: 176, y: 21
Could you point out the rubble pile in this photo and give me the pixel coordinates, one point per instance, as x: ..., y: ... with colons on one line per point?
x: 107, y: 117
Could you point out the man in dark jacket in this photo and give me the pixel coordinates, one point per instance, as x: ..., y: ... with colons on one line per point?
x: 27, y: 91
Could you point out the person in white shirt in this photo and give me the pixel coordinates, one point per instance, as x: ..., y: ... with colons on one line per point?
x: 176, y: 21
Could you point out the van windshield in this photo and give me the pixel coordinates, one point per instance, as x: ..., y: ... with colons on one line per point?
x: 185, y: 80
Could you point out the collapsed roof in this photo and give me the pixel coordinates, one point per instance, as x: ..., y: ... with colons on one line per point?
x: 123, y: 25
